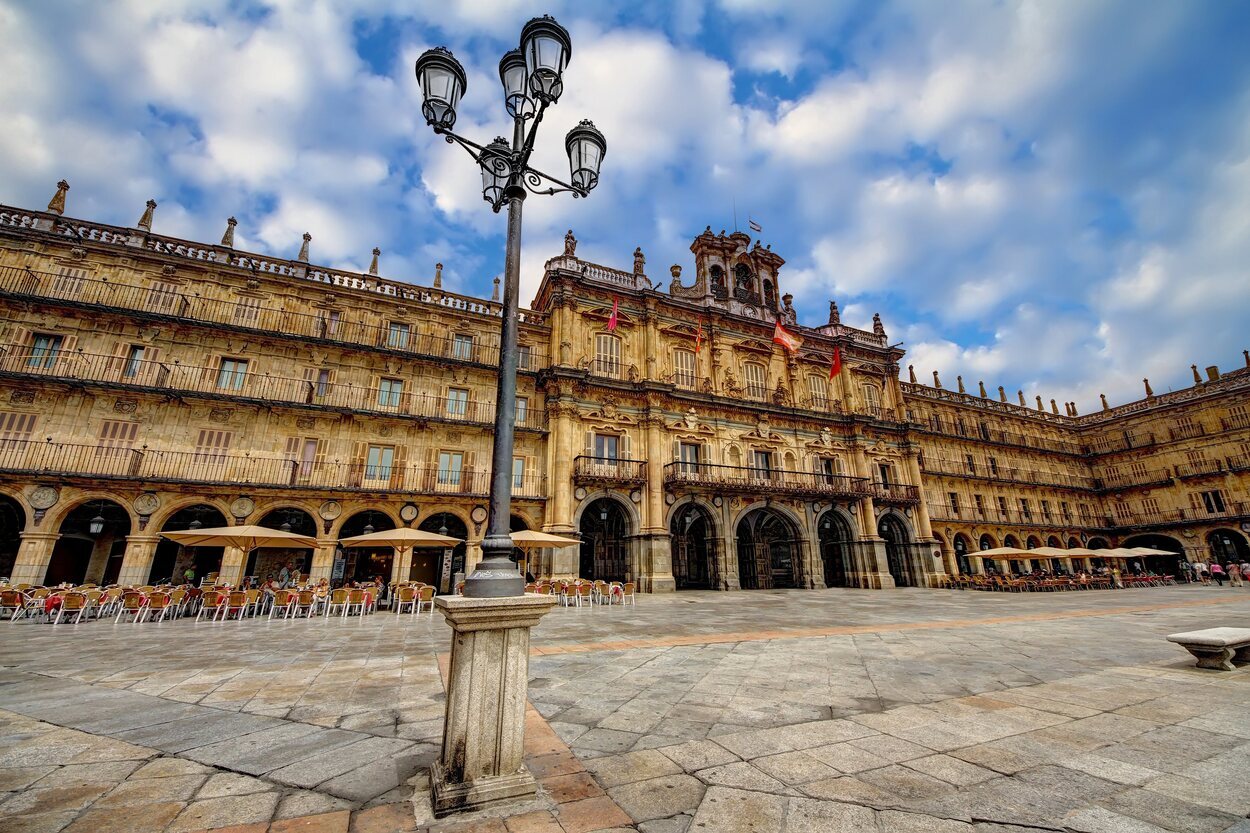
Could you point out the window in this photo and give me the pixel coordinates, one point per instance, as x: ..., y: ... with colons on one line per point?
x: 1213, y: 502
x: 1066, y: 510
x: 522, y: 410
x: 134, y: 360
x: 44, y: 350
x: 162, y: 296
x: 379, y: 461
x: 1002, y: 508
x: 457, y: 402
x: 985, y: 430
x: 117, y: 435
x: 993, y: 467
x: 762, y: 463
x: 397, y: 335
x: 886, y: 474
x: 323, y: 382
x: 232, y: 374
x: 831, y: 467
x: 247, y: 312
x: 606, y: 446
x: 15, y: 429
x: 954, y: 501
x: 872, y: 398
x: 462, y: 347
x: 979, y: 500
x: 684, y: 368
x: 756, y: 377
x: 68, y: 282
x: 689, y: 453
x: 1150, y: 506
x: 818, y: 390
x: 1046, y: 509
x: 390, y: 391
x: 450, y: 466
x: 211, y: 448
x: 308, y: 457
x: 607, y: 355
x: 330, y: 323
x: 971, y: 463
x: 1025, y: 510
x: 518, y: 473
x: 525, y: 356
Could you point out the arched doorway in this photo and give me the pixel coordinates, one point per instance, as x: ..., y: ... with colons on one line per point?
x: 12, y: 522
x: 835, y: 538
x: 1171, y: 553
x: 1053, y: 541
x: 1228, y: 545
x: 604, y: 528
x: 520, y: 557
x: 431, y: 565
x: 1073, y: 542
x: 265, y: 563
x: 897, y: 542
x: 91, y: 546
x: 694, y: 548
x: 986, y: 542
x: 367, y: 563
x: 1014, y: 565
x: 172, y: 560
x: 768, y: 551
x: 961, y: 546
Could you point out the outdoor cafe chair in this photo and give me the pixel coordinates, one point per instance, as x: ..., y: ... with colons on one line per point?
x: 132, y: 603
x: 236, y: 603
x: 283, y: 602
x: 254, y: 602
x: 305, y: 602
x: 158, y: 607
x: 628, y: 594
x: 406, y: 595
x: 212, y: 602
x: 585, y: 595
x: 355, y: 599
x: 73, y: 604
x: 425, y: 599
x: 12, y: 602
x: 337, y: 599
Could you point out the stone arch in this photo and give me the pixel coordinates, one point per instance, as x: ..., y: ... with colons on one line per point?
x: 19, y: 497
x: 986, y: 542
x: 1225, y: 545
x: 354, y: 510
x: 606, y: 525
x: 899, y: 537
x: 264, y: 562
x: 365, y: 563
x: 181, y: 502
x: 635, y: 518
x: 428, y: 565
x: 835, y: 530
x: 13, y: 517
x: 1162, y: 563
x: 695, y: 546
x: 961, y: 544
x: 460, y: 513
x: 1098, y: 544
x: 57, y: 514
x: 172, y: 560
x: 1032, y: 543
x: 263, y: 510
x: 1073, y: 542
x: 769, y: 543
x: 1053, y: 541
x: 81, y: 555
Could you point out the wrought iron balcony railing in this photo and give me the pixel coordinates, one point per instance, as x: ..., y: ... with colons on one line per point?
x: 895, y: 493
x: 217, y: 382
x: 750, y: 479
x: 170, y: 303
x: 211, y: 467
x: 608, y: 470
x: 1011, y: 517
x: 1010, y: 474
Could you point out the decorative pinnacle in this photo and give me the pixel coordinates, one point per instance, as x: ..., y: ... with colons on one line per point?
x: 494, y: 295
x: 227, y: 239
x: 438, y: 276
x: 1002, y: 394
x: 1149, y: 392
x: 981, y: 384
x: 145, y: 222
x: 960, y: 381
x: 937, y: 383
x: 1197, y: 378
x: 1105, y: 406
x: 303, y: 250
x: 373, y: 265
x: 56, y: 205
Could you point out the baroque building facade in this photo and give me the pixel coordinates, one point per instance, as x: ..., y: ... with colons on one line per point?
x: 152, y: 384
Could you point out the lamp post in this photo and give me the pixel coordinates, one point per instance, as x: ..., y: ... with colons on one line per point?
x: 533, y: 80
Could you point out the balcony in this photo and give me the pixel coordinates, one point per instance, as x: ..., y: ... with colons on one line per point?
x: 895, y: 493
x: 1235, y: 421
x: 1007, y: 517
x: 1112, y: 481
x: 174, y: 377
x: 1006, y: 474
x: 759, y: 480
x: 209, y: 467
x: 1186, y: 432
x: 609, y: 471
x: 1165, y: 517
x: 1199, y: 468
x: 166, y: 304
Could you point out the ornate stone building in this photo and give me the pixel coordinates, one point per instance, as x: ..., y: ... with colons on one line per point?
x: 150, y: 384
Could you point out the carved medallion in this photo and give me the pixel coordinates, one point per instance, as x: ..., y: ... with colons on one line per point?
x: 44, y: 497
x: 478, y: 514
x: 220, y: 415
x: 408, y: 513
x: 147, y: 503
x: 242, y: 507
x: 330, y: 510
x: 22, y: 397
x: 305, y: 422
x: 385, y: 431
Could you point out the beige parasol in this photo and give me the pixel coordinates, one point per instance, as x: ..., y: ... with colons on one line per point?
x: 1150, y: 551
x: 246, y: 538
x: 401, y: 539
x: 1002, y: 554
x: 527, y: 539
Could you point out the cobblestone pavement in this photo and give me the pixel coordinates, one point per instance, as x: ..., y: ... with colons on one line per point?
x: 788, y: 710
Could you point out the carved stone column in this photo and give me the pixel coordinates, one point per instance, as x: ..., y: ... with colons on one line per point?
x: 657, y: 573
x: 233, y: 562
x: 484, y: 722
x: 323, y: 559
x: 33, y: 557
x: 137, y: 562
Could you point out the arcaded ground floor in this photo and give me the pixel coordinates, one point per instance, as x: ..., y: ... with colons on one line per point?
x: 826, y: 710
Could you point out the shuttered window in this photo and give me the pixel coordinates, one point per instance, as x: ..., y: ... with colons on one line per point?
x: 450, y: 467
x: 68, y: 282
x: 397, y: 335
x: 756, y: 377
x: 15, y: 429
x: 522, y: 410
x: 818, y: 390
x: 379, y: 462
x: 231, y: 374
x: 389, y: 393
x: 118, y: 434
x: 247, y: 312
x: 462, y: 347
x: 684, y: 368
x: 162, y: 297
x: 607, y: 355
x: 457, y: 402
x: 44, y: 349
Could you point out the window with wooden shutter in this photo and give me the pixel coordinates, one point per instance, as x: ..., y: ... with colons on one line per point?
x: 684, y: 368
x: 522, y: 410
x: 15, y: 429
x: 378, y: 464
x: 518, y: 474
x: 607, y: 355
x: 212, y: 448
x: 462, y: 347
x: 68, y: 282
x: 247, y: 312
x: 755, y: 375
x: 163, y: 297
x: 872, y: 399
x: 397, y: 334
x: 818, y: 390
x: 390, y: 392
x: 457, y: 403
x: 399, y: 468
x: 306, y: 453
x: 450, y: 470
x: 231, y: 374
x: 44, y: 350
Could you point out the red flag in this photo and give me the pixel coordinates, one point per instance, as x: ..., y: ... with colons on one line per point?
x: 787, y: 340
x: 616, y: 302
x: 698, y: 338
x: 836, y: 366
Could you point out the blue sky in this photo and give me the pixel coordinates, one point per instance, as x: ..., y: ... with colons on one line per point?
x: 1050, y: 196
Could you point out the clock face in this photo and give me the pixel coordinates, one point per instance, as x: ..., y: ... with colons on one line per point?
x: 479, y: 514
x: 408, y: 512
x: 330, y: 510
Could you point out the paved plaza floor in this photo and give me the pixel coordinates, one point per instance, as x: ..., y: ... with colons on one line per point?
x: 836, y: 710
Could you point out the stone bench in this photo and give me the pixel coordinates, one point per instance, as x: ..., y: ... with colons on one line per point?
x: 1216, y: 647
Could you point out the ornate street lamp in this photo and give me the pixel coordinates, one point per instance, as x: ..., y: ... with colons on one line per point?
x: 533, y: 80
x: 96, y: 525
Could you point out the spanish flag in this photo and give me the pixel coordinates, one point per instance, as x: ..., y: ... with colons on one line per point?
x: 787, y: 340
x: 616, y: 304
x: 835, y: 367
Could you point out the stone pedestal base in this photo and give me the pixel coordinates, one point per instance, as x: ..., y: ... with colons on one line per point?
x: 484, y: 723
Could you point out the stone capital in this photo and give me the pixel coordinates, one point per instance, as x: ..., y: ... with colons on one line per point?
x: 470, y: 614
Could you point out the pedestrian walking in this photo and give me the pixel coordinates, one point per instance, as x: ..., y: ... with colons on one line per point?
x: 1234, y: 574
x: 1217, y: 573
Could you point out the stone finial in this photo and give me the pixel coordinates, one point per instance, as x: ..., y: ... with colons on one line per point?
x: 1105, y: 406
x: 373, y: 264
x: 570, y: 244
x: 675, y: 271
x: 56, y: 205
x: 303, y: 250
x: 1040, y: 406
x: 1197, y: 378
x: 1074, y: 413
x: 640, y: 261
x: 959, y: 380
x: 1020, y: 394
x: 227, y: 239
x: 835, y: 317
x: 1002, y: 394
x: 981, y: 385
x: 877, y: 326
x: 145, y: 222
x: 438, y: 276
x: 1054, y: 407
x: 1246, y: 355
x: 1149, y: 392
x: 911, y: 373
x: 494, y: 293
x: 937, y: 383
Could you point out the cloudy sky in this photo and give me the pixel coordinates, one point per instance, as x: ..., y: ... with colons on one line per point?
x: 1048, y: 195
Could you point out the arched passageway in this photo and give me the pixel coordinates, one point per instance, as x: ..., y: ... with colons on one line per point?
x: 605, y: 548
x: 265, y: 563
x: 12, y: 522
x: 1227, y: 545
x: 91, y: 546
x: 172, y: 560
x: 1171, y: 553
x: 432, y: 566
x: 897, y: 550
x: 835, y: 549
x: 961, y: 546
x: 694, y: 549
x: 768, y: 551
x: 367, y: 563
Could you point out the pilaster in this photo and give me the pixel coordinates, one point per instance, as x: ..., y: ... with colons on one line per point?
x: 33, y: 557
x: 137, y: 562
